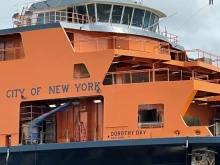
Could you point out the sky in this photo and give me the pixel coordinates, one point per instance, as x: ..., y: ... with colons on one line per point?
x: 196, y: 24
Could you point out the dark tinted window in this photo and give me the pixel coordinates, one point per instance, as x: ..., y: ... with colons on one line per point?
x: 138, y: 17
x: 103, y: 11
x: 47, y: 18
x: 152, y: 21
x: 155, y: 21
x: 116, y: 14
x: 52, y: 16
x: 146, y: 19
x: 61, y: 15
x: 40, y: 18
x: 127, y: 15
x: 91, y: 11
x: 81, y: 12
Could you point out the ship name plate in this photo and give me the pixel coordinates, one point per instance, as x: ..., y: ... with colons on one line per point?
x: 53, y: 89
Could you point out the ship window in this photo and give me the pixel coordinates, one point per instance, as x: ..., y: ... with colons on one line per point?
x: 82, y: 14
x: 47, y: 18
x: 127, y: 15
x: 151, y: 115
x: 146, y: 19
x: 70, y: 14
x: 61, y: 15
x: 11, y: 47
x: 52, y: 16
x: 80, y: 71
x: 138, y: 17
x: 40, y: 18
x: 116, y: 14
x: 155, y: 21
x: 103, y: 11
x: 91, y: 12
x: 152, y: 21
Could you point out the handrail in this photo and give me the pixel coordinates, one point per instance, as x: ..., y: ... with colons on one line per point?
x: 151, y: 125
x: 133, y: 79
x: 202, y: 51
x: 216, y: 128
x: 203, y: 56
x: 171, y: 37
x: 150, y: 75
x: 58, y: 16
x: 138, y: 71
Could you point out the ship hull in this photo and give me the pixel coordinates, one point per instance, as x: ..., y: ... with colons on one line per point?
x: 170, y: 151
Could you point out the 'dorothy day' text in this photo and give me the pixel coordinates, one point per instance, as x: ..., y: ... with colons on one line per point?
x: 122, y: 134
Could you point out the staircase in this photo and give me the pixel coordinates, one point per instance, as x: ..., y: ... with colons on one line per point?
x: 21, y: 17
x: 80, y: 132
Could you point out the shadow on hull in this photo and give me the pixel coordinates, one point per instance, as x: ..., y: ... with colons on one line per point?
x: 140, y: 155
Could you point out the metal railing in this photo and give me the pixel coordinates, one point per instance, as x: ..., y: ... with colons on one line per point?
x: 66, y: 16
x: 121, y: 43
x: 203, y: 56
x: 151, y: 125
x: 215, y: 128
x: 171, y: 37
x: 154, y: 75
x: 135, y: 76
x: 52, y: 17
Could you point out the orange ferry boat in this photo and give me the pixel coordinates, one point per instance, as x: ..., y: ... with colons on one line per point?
x: 97, y: 82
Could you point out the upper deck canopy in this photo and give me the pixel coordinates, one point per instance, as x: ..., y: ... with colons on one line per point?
x: 60, y: 3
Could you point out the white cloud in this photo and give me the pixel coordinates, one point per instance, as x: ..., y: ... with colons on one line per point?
x: 201, y: 31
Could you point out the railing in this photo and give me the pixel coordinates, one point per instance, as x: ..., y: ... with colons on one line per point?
x: 215, y: 129
x: 134, y: 76
x: 52, y: 17
x: 121, y: 43
x: 64, y: 16
x: 151, y: 125
x: 203, y: 56
x: 201, y: 78
x: 171, y: 37
x: 156, y: 75
x: 81, y: 75
x: 72, y: 17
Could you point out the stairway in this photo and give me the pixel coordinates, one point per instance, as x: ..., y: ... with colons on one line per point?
x: 80, y: 132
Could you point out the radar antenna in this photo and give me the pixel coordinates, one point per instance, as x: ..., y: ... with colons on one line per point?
x: 138, y: 1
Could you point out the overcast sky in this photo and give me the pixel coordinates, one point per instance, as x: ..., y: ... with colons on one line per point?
x: 202, y: 31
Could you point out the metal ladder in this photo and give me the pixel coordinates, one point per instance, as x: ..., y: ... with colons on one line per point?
x: 22, y: 15
x: 80, y: 132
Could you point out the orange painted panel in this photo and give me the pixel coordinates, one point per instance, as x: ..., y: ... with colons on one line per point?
x: 49, y: 61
